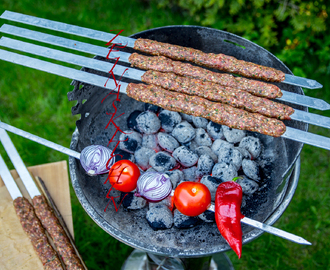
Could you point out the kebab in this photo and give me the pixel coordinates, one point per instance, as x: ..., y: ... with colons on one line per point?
x: 30, y: 223
x: 216, y: 112
x: 211, y: 60
x: 164, y: 64
x: 42, y: 210
x: 214, y: 92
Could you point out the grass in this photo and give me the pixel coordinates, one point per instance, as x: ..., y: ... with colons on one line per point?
x: 37, y: 102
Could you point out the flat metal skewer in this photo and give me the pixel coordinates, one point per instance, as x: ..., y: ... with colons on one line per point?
x: 131, y: 73
x: 37, y: 139
x: 9, y: 180
x: 106, y: 37
x: 270, y: 229
x: 124, y: 57
x: 291, y: 133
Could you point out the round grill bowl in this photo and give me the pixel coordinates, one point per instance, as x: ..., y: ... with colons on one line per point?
x: 280, y: 160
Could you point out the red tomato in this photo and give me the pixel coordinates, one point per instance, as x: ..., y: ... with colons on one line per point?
x: 123, y: 175
x: 192, y: 198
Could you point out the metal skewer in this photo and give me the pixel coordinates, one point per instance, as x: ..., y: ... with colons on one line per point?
x: 131, y: 73
x: 291, y: 133
x: 106, y: 37
x: 123, y: 56
x: 33, y: 191
x: 270, y: 229
x: 9, y: 180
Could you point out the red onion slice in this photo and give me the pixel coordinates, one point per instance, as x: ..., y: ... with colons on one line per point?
x: 94, y: 159
x: 153, y: 186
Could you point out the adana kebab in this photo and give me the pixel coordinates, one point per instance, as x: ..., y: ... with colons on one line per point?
x: 36, y: 233
x: 215, y: 92
x: 218, y: 61
x: 164, y: 64
x: 217, y: 112
x: 42, y: 210
x: 29, y: 221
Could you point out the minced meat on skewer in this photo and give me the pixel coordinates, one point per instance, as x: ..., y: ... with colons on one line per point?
x: 215, y: 92
x: 164, y: 64
x: 197, y: 106
x: 57, y: 233
x: 36, y: 233
x: 212, y: 60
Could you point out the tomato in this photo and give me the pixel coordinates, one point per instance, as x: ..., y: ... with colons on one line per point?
x: 192, y: 198
x: 123, y: 175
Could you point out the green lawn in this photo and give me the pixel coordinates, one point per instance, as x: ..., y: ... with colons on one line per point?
x: 37, y: 102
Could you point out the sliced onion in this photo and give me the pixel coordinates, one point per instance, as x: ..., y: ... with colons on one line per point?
x: 94, y: 159
x: 153, y: 186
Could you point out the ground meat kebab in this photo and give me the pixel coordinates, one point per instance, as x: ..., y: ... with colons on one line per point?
x: 217, y: 112
x: 164, y: 64
x: 215, y: 92
x: 33, y: 228
x: 57, y: 233
x: 211, y: 60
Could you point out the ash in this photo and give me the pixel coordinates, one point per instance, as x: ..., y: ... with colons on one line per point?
x: 191, y: 149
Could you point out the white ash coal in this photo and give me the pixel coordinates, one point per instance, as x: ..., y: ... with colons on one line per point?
x: 188, y: 148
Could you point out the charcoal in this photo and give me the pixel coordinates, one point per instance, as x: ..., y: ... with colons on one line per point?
x: 151, y: 108
x: 121, y: 154
x: 148, y: 122
x: 151, y: 169
x: 212, y: 184
x: 189, y: 174
x: 182, y: 221
x: 233, y: 135
x: 248, y: 185
x: 191, y: 145
x: 185, y: 156
x: 150, y: 141
x: 252, y: 144
x: 142, y: 156
x: 208, y: 216
x: 204, y: 165
x: 184, y: 132
x: 230, y: 155
x: 167, y: 142
x: 218, y: 144
x: 201, y: 150
x: 169, y: 120
x: 224, y: 171
x: 130, y: 140
x: 202, y: 138
x: 186, y: 117
x: 251, y: 169
x: 131, y: 202
x: 160, y: 217
x: 162, y: 161
x: 214, y: 130
x: 176, y: 176
x: 199, y: 122
x: 245, y: 153
x: 131, y: 120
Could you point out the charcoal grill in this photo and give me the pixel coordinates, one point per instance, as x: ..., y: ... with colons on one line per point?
x: 282, y: 170
x: 282, y: 155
